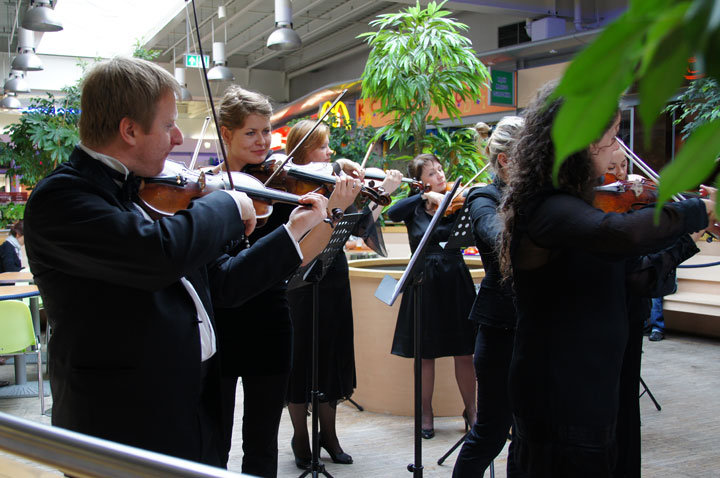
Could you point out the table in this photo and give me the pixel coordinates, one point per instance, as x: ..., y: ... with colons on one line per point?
x: 21, y: 388
x: 13, y: 277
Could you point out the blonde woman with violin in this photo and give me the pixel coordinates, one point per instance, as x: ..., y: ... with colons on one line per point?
x: 255, y: 339
x: 448, y: 294
x: 336, y: 362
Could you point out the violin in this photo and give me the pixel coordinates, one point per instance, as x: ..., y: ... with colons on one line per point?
x: 457, y: 202
x: 379, y: 175
x: 164, y: 195
x: 616, y: 195
x: 313, y: 177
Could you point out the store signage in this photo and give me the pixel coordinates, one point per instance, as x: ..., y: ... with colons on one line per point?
x: 502, y: 88
x: 193, y: 61
x: 339, y: 112
x: 14, y: 197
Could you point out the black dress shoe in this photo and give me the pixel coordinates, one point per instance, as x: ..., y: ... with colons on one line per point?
x: 427, y: 433
x: 341, y: 457
x: 301, y: 462
x: 4, y: 383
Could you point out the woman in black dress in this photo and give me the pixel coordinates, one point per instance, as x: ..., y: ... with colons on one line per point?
x: 336, y: 362
x: 448, y: 294
x: 494, y: 313
x: 572, y: 265
x: 255, y: 339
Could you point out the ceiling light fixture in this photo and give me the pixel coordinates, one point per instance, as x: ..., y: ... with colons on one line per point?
x: 185, y: 94
x: 219, y: 72
x: 284, y: 38
x: 41, y: 17
x: 10, y: 102
x: 26, y: 60
x: 16, y: 83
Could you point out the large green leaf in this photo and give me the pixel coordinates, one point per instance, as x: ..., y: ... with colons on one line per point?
x: 695, y: 161
x: 599, y: 62
x: 663, y: 78
x: 583, y: 119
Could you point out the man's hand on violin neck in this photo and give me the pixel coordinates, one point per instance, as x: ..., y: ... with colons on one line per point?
x: 304, y: 218
x: 247, y: 210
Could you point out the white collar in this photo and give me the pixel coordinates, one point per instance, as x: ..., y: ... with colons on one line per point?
x: 13, y: 240
x: 108, y: 161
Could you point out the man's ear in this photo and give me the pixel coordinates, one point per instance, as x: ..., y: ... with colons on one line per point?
x: 128, y: 130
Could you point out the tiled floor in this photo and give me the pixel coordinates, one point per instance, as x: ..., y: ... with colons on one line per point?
x: 682, y: 440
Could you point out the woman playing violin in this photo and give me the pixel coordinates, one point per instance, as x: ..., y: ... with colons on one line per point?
x: 448, y: 294
x: 256, y: 338
x: 336, y: 372
x: 494, y: 313
x: 571, y: 266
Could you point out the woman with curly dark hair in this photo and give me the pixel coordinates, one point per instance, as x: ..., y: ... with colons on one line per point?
x: 571, y: 267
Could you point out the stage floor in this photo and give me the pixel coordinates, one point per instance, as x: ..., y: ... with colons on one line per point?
x: 679, y: 441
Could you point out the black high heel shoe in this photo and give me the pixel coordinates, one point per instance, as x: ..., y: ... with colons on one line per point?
x: 467, y: 420
x: 300, y: 462
x: 341, y: 457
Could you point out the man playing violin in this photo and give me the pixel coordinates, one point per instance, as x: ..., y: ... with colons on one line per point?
x: 132, y: 355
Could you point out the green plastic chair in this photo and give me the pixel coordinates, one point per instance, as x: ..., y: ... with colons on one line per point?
x: 17, y: 335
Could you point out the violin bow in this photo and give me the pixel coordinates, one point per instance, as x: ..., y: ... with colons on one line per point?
x: 367, y: 155
x: 209, y: 92
x: 461, y: 189
x: 317, y: 123
x: 642, y: 165
x: 200, y: 140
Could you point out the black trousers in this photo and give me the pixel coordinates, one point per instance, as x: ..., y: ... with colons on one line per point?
x: 493, y: 351
x: 263, y: 402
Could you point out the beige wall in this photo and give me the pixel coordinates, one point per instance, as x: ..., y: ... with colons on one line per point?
x: 531, y: 79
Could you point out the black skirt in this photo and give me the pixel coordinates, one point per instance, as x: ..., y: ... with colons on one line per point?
x: 336, y: 364
x: 447, y: 297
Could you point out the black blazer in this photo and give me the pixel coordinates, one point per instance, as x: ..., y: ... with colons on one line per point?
x: 125, y: 350
x: 9, y: 259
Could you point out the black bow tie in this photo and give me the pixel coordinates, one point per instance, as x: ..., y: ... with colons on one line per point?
x: 129, y: 185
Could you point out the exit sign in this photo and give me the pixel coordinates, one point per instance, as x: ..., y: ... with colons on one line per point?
x: 193, y: 61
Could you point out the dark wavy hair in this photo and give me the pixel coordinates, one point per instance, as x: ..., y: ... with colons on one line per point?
x: 530, y: 170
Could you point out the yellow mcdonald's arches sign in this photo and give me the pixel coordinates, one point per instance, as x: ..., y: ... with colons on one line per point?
x: 339, y: 113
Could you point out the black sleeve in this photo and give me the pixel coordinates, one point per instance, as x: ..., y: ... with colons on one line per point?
x: 82, y: 232
x: 653, y: 275
x: 236, y: 279
x: 404, y: 208
x: 486, y: 223
x: 567, y: 221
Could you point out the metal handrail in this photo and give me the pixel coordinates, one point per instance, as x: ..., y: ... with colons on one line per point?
x: 83, y: 456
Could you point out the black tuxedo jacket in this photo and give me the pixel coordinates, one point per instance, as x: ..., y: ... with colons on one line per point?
x: 125, y: 351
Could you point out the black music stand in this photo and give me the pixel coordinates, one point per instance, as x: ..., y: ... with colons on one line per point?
x: 313, y: 274
x: 388, y: 291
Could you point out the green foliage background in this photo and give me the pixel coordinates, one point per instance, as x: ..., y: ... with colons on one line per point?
x: 418, y: 59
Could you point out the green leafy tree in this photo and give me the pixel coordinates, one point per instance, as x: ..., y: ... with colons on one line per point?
x: 143, y: 53
x: 418, y: 59
x: 459, y: 153
x: 44, y: 136
x: 650, y: 45
x: 697, y: 105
